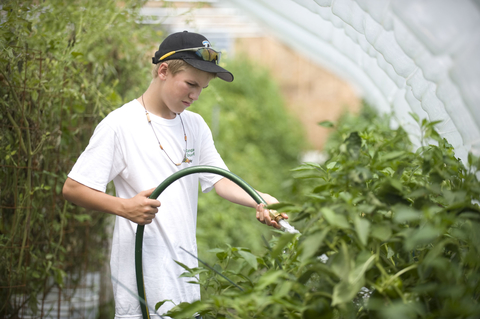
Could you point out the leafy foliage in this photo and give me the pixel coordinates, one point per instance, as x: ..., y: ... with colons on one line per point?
x: 249, y: 128
x: 386, y: 233
x: 64, y: 65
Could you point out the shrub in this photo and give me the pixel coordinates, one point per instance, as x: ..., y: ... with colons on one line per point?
x: 386, y: 233
x: 64, y: 65
x: 249, y: 127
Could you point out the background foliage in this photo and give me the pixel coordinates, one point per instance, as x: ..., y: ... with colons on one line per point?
x: 64, y: 65
x: 386, y: 233
x: 258, y: 140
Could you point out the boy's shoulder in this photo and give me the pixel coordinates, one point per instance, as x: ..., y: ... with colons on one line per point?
x: 192, y: 115
x: 128, y: 112
x: 128, y: 109
x: 133, y: 112
x: 196, y: 119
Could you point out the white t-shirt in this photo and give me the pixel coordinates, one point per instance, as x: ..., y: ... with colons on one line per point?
x: 124, y: 149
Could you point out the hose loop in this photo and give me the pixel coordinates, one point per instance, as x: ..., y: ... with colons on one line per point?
x: 141, y: 228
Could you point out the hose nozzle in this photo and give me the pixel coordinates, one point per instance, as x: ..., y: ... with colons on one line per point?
x: 282, y: 222
x: 275, y: 215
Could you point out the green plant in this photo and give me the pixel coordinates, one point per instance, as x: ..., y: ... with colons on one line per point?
x: 248, y: 125
x: 386, y: 233
x: 58, y: 76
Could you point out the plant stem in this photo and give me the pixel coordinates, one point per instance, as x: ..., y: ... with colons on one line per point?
x: 404, y: 270
x: 28, y: 186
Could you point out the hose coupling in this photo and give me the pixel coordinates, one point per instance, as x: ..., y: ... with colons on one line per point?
x: 275, y: 215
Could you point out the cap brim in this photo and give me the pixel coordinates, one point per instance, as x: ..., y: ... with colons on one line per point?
x: 210, y: 67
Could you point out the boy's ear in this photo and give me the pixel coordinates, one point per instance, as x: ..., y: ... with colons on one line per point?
x: 162, y: 71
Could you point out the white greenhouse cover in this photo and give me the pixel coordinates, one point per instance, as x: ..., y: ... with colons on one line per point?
x: 420, y: 56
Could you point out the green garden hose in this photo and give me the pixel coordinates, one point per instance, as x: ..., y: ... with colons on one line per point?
x: 169, y: 180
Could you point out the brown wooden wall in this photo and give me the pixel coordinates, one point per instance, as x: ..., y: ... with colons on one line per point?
x: 312, y: 93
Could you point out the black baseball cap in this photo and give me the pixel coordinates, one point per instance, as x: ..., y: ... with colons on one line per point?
x: 189, y: 40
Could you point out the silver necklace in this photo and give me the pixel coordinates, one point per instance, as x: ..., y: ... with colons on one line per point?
x: 185, y: 159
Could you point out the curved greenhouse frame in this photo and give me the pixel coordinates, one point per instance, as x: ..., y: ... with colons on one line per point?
x: 404, y: 56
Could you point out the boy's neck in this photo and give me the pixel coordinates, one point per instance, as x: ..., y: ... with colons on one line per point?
x: 153, y: 103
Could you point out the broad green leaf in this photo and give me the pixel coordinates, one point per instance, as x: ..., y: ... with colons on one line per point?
x: 404, y: 214
x: 83, y: 217
x: 388, y: 171
x: 317, y: 197
x: 415, y: 116
x: 326, y: 124
x: 347, y: 197
x: 341, y: 263
x: 307, y: 166
x: 391, y: 155
x: 282, y: 242
x: 76, y: 54
x: 34, y: 95
x: 187, y: 310
x: 268, y: 278
x: 353, y: 144
x: 357, y: 274
x: 59, y: 275
x: 222, y: 255
x: 194, y: 272
x: 283, y: 290
x: 396, y: 184
x: 335, y: 219
x: 365, y: 208
x: 160, y: 303
x: 420, y: 192
x: 250, y: 258
x: 362, y: 226
x: 381, y: 232
x: 331, y: 165
x: 183, y: 266
x: 215, y: 250
x: 345, y: 292
x: 311, y: 244
x: 421, y: 236
x: 399, y: 310
x: 79, y: 108
x: 322, y: 186
x: 455, y: 197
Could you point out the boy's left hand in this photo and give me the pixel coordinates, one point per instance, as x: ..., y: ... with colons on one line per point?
x: 263, y: 214
x: 234, y: 193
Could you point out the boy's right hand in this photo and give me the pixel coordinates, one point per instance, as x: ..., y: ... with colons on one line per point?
x: 141, y: 209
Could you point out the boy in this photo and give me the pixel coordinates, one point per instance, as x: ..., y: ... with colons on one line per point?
x: 138, y: 146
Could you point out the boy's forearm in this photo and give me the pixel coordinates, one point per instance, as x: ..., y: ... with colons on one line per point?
x: 139, y: 209
x: 87, y: 197
x: 235, y: 194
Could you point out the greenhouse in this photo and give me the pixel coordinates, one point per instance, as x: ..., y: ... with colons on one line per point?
x: 360, y: 116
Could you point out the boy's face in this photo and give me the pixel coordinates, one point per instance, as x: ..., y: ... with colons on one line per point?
x: 182, y: 89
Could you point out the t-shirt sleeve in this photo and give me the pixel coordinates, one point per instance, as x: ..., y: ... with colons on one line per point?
x: 209, y: 156
x: 101, y: 161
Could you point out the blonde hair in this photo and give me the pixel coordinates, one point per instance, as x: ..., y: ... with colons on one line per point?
x: 174, y: 66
